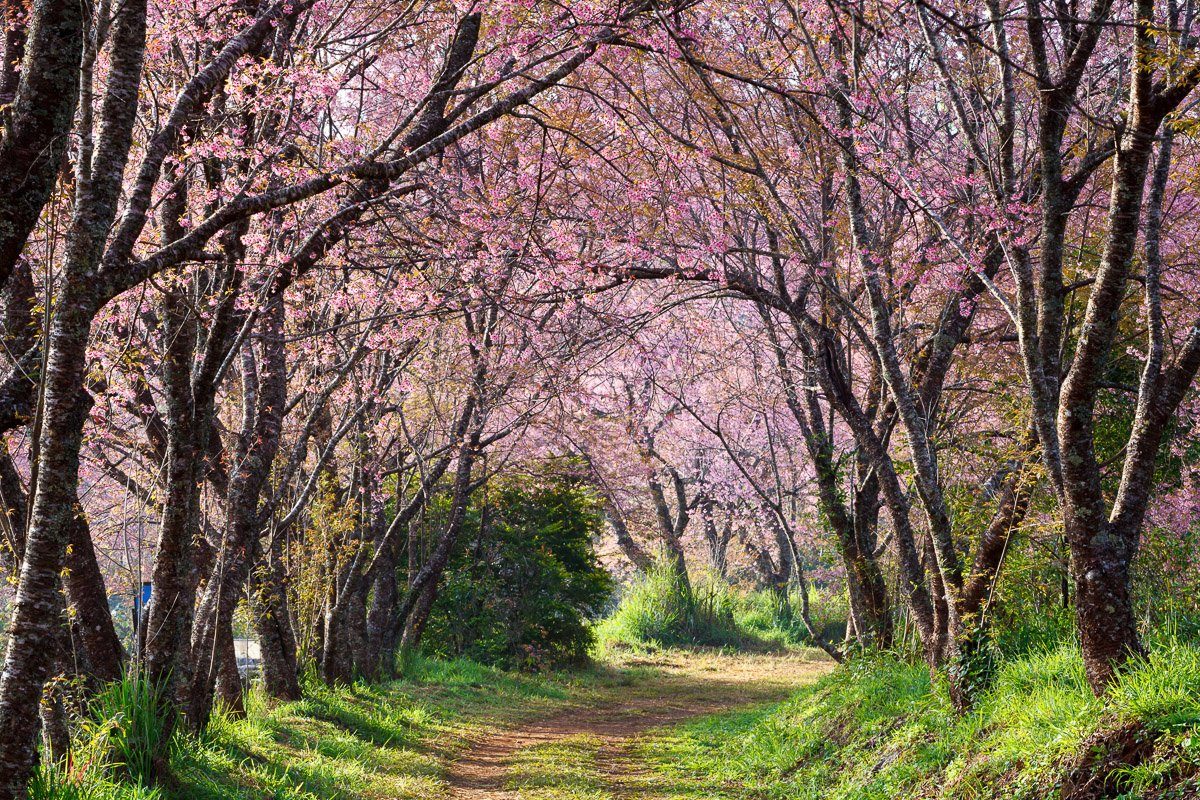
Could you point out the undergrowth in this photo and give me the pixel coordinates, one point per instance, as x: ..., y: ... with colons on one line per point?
x: 659, y: 610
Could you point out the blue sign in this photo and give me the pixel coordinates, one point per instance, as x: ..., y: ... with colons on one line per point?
x: 144, y: 599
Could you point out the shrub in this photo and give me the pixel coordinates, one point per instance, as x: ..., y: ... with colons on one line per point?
x: 760, y: 614
x: 524, y: 580
x: 126, y: 715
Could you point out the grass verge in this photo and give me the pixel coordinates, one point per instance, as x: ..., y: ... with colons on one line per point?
x: 878, y: 729
x: 359, y: 741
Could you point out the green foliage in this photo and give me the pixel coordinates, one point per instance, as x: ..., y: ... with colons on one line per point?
x: 973, y: 668
x: 114, y: 749
x: 657, y: 610
x: 524, y: 580
x: 328, y: 535
x: 56, y: 783
x: 762, y: 615
x: 128, y: 716
x: 1167, y: 583
x: 1164, y: 692
x: 660, y: 609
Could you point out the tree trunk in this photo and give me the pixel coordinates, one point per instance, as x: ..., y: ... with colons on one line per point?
x: 168, y: 626
x: 88, y: 601
x: 865, y: 585
x: 853, y: 527
x: 65, y: 404
x: 717, y: 539
x: 384, y: 597
x: 35, y: 620
x: 37, y: 125
x: 276, y: 640
x: 1104, y: 612
x: 56, y: 735
x: 355, y: 633
x: 418, y: 618
x: 262, y: 420
x: 672, y: 530
x: 336, y: 657
x: 229, y: 680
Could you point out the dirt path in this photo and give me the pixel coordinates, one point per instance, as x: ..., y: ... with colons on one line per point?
x: 673, y: 690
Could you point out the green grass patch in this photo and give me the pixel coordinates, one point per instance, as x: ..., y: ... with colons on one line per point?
x: 360, y: 741
x: 658, y: 611
x: 877, y: 728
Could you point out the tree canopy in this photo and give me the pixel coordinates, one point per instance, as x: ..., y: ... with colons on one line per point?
x: 886, y: 298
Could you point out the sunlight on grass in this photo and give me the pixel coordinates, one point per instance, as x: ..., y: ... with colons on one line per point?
x: 878, y: 729
x: 389, y: 742
x: 564, y: 770
x: 363, y: 741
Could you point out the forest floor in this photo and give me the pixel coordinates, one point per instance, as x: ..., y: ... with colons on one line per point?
x: 590, y: 749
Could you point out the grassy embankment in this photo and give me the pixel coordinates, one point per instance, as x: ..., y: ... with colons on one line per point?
x: 878, y: 729
x: 357, y: 741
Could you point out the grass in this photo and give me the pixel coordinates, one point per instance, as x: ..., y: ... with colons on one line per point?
x: 659, y: 610
x: 394, y: 741
x: 878, y: 729
x: 758, y: 614
x: 358, y: 741
x: 874, y: 728
x: 656, y: 611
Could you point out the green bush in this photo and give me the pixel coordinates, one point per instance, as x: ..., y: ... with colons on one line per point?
x: 656, y: 609
x: 524, y: 581
x: 762, y: 615
x: 128, y: 716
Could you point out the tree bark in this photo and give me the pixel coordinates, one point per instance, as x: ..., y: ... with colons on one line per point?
x: 672, y: 528
x: 64, y: 404
x: 384, y: 601
x: 36, y: 127
x: 415, y: 630
x: 35, y: 618
x: 269, y: 607
x: 262, y: 419
x: 88, y: 601
x: 229, y: 680
x: 717, y: 538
